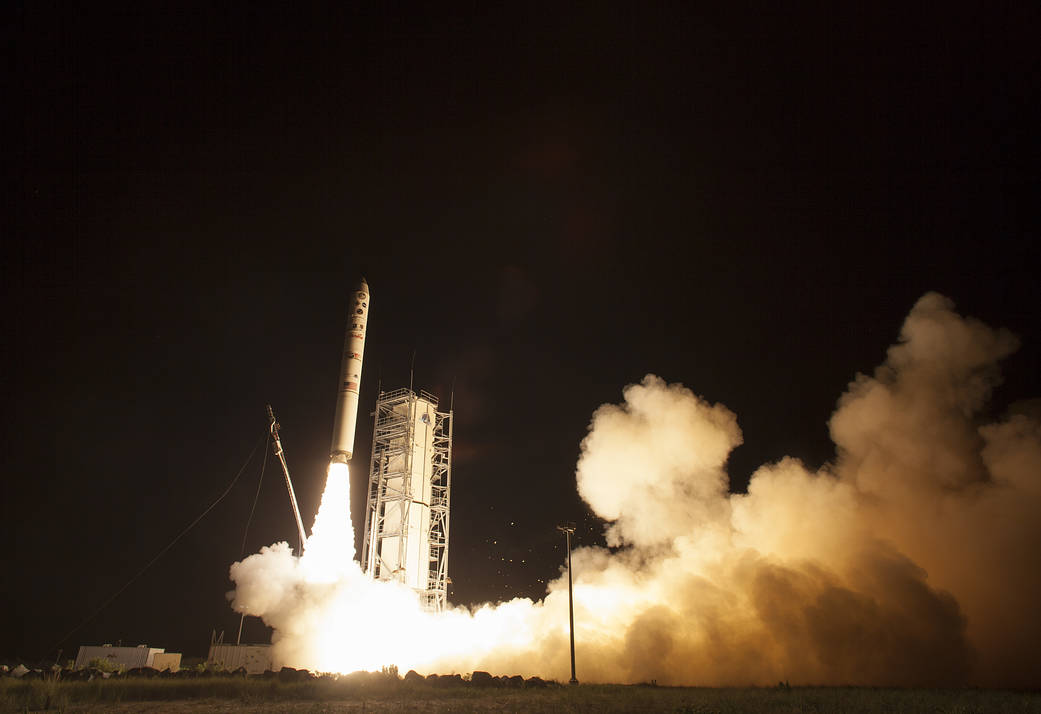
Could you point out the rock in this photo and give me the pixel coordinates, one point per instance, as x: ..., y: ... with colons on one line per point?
x: 412, y: 676
x: 482, y: 679
x: 536, y: 682
x: 20, y: 671
x: 515, y: 682
x: 142, y: 673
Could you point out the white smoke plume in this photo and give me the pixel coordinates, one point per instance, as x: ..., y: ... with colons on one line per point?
x: 909, y: 560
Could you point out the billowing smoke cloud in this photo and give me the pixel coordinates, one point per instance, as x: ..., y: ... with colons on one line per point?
x: 909, y: 560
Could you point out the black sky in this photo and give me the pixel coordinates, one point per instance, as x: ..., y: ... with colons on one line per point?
x: 547, y: 203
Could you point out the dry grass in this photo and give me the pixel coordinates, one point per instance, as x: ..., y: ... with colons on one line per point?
x: 385, y: 695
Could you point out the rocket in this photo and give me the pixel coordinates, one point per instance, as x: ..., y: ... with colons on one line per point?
x: 346, y: 419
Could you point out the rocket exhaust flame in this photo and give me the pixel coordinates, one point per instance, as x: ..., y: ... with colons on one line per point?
x: 908, y: 560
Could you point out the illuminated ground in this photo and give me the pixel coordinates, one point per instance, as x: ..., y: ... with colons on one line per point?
x: 254, y: 696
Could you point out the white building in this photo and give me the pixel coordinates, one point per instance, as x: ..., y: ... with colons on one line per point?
x: 255, y: 658
x: 121, y: 657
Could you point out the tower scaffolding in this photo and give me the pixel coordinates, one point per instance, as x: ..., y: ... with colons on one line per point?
x: 409, y: 495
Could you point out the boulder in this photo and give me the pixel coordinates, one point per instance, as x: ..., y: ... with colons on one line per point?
x: 536, y: 682
x: 515, y: 682
x: 412, y: 676
x: 482, y: 679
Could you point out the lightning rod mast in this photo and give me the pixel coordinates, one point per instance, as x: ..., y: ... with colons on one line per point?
x: 276, y: 444
x: 567, y: 530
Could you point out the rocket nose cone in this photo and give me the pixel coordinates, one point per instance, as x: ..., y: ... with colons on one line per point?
x: 363, y: 286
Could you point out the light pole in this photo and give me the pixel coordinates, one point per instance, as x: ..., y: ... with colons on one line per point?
x: 568, y: 530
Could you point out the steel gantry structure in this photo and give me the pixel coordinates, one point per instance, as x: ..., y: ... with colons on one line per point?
x: 409, y: 495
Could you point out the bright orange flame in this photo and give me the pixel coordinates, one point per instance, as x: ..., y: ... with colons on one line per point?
x: 331, y: 617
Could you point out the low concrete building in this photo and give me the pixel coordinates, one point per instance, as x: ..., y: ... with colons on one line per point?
x: 255, y: 658
x: 120, y: 657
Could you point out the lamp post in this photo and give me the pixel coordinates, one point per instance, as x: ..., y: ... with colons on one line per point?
x: 567, y: 530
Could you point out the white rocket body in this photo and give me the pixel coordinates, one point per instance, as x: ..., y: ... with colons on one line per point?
x: 346, y: 419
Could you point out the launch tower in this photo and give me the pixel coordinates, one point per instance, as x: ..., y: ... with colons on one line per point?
x: 406, y: 513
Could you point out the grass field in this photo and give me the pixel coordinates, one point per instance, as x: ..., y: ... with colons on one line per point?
x: 241, y: 695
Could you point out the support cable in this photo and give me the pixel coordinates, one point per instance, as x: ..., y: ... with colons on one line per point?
x: 160, y: 554
x: 256, y: 497
x: 245, y: 533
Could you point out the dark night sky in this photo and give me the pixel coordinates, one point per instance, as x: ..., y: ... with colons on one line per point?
x: 547, y: 204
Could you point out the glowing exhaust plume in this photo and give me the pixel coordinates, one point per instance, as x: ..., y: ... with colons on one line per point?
x: 910, y: 559
x: 329, y: 552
